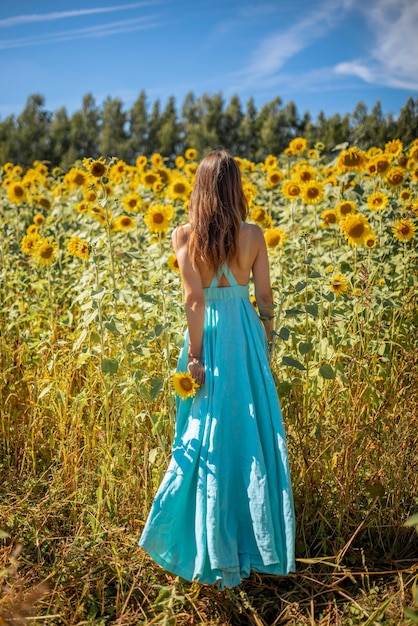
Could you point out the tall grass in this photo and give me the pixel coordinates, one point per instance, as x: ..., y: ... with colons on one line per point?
x: 87, y: 414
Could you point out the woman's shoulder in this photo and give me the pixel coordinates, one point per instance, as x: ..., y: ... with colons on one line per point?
x: 252, y: 232
x: 180, y: 235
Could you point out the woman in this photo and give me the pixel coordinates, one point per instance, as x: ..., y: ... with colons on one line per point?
x: 225, y: 504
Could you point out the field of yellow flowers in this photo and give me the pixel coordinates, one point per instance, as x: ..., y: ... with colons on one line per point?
x: 91, y: 324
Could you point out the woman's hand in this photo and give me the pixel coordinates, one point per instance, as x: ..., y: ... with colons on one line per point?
x: 196, y: 369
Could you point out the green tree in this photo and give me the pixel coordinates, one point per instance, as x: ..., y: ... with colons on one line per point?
x: 268, y: 127
x: 138, y: 127
x: 248, y: 138
x: 169, y: 131
x: 153, y: 127
x: 114, y: 137
x: 8, y: 140
x: 407, y: 124
x: 33, y: 131
x: 231, y: 127
x: 60, y: 139
x: 84, y: 131
x: 192, y: 117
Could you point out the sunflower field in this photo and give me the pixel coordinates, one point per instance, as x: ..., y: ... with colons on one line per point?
x: 91, y: 325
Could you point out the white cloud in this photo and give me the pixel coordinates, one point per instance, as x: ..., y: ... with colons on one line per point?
x: 18, y: 20
x: 275, y: 50
x: 393, y: 48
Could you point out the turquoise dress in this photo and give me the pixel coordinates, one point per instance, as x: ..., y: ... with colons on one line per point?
x: 225, y: 504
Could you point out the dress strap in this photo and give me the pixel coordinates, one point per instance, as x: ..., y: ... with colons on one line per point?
x: 224, y: 269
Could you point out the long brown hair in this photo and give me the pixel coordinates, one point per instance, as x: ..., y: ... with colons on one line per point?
x: 216, y: 208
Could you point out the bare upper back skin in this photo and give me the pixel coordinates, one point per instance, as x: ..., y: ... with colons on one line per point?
x: 241, y: 265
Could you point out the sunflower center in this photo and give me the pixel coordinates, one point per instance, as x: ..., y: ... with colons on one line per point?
x: 404, y: 230
x: 352, y: 159
x: 382, y: 166
x: 98, y: 169
x: 312, y: 192
x: 356, y: 231
x: 179, y: 188
x: 46, y: 252
x: 186, y: 384
x: 19, y: 191
x: 158, y: 218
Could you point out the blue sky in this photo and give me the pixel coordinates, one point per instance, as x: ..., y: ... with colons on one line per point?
x: 322, y: 54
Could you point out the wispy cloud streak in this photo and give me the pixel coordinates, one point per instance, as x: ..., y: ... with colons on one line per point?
x: 275, y: 50
x: 18, y: 20
x: 102, y: 30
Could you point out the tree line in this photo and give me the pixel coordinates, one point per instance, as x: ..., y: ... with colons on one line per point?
x: 202, y: 123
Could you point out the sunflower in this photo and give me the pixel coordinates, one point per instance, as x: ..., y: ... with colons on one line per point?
x: 291, y: 189
x: 16, y: 192
x: 190, y: 154
x: 131, y: 202
x: 141, y: 161
x: 312, y: 192
x: 404, y: 230
x: 173, y: 263
x: 29, y: 243
x: 123, y: 222
x: 356, y: 227
x: 8, y: 167
x: 90, y: 195
x: 313, y: 154
x: 305, y: 173
x: 345, y: 207
x: 393, y: 148
x: 150, y: 177
x: 179, y: 162
x: 156, y: 159
x: 270, y: 162
x: 351, y: 159
x: 96, y: 167
x: 79, y: 248
x: 382, y: 164
x: 45, y: 251
x: 258, y: 214
x: 179, y: 189
x: 377, y: 201
x: 76, y: 178
x: 406, y: 195
x: 103, y: 216
x: 184, y: 385
x: 32, y: 229
x: 329, y: 216
x: 275, y: 237
x: 370, y: 240
x: 44, y: 202
x: 274, y: 177
x: 413, y: 152
x: 82, y: 207
x: 190, y: 169
x: 298, y: 145
x: 38, y: 219
x: 395, y: 176
x: 158, y: 218
x: 339, y: 284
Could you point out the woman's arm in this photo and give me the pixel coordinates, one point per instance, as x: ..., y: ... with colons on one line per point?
x: 263, y: 292
x: 194, y: 300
